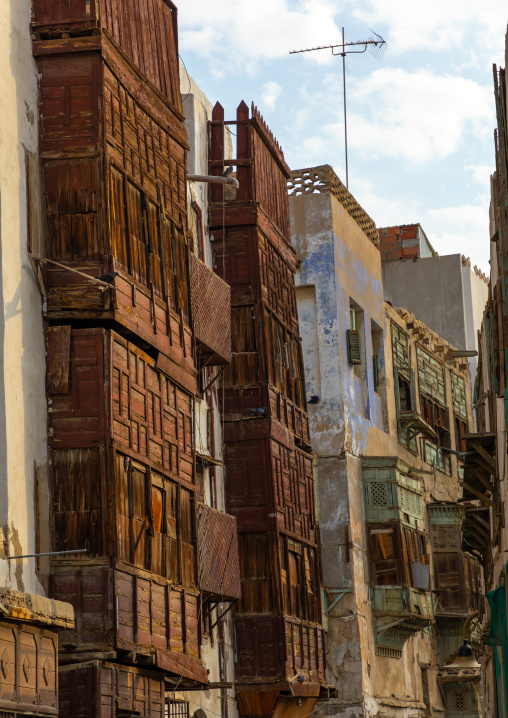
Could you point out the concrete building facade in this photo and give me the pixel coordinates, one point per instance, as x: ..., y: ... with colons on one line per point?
x: 387, y: 403
x: 445, y: 292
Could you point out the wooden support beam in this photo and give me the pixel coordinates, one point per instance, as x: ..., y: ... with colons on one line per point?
x: 478, y: 494
x: 485, y: 456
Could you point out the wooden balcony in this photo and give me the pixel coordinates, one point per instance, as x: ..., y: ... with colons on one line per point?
x: 399, y: 613
x: 275, y: 649
x: 147, y: 34
x: 131, y: 612
x: 141, y: 312
x: 107, y: 690
x: 391, y: 492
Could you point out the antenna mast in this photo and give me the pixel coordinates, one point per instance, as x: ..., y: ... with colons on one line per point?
x: 376, y: 46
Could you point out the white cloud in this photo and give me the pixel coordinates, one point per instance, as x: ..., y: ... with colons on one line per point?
x: 270, y: 94
x: 481, y: 173
x: 384, y: 211
x: 417, y: 116
x: 461, y: 230
x: 435, y: 25
x: 229, y: 32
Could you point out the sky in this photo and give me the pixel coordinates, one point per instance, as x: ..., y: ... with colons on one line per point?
x: 420, y: 120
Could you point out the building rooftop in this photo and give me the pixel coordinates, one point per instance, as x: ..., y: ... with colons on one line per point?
x: 315, y: 180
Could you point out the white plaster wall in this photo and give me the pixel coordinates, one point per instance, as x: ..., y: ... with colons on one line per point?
x: 476, y: 293
x: 308, y: 325
x: 22, y: 354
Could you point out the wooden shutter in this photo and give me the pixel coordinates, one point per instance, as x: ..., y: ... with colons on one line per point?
x: 353, y: 346
x: 138, y: 248
x: 375, y: 370
x: 172, y: 531
x: 118, y: 218
x: 383, y: 556
x: 187, y: 538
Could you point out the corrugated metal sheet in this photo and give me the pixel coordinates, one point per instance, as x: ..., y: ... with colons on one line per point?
x: 219, y: 568
x: 211, y: 313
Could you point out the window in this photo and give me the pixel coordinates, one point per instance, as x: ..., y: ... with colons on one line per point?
x: 156, y: 523
x: 399, y: 556
x: 459, y: 700
x: 285, y: 362
x: 356, y: 338
x: 384, y: 556
x: 176, y: 708
x: 378, y: 362
x: 299, y: 579
x: 431, y: 379
x: 147, y: 245
x: 404, y: 387
x: 356, y: 353
x: 459, y: 411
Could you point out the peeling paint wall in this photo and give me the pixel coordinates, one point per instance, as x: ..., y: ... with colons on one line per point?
x: 23, y: 451
x: 341, y: 268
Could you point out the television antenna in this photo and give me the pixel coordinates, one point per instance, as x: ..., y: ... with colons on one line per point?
x: 376, y: 46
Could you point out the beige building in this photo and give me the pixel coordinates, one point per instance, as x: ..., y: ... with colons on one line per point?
x: 390, y: 410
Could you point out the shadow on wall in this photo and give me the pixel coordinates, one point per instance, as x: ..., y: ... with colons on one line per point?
x: 22, y: 352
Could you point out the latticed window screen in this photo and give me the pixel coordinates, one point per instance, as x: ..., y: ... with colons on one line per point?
x: 177, y: 709
x: 433, y: 455
x: 378, y: 493
x: 400, y: 350
x: 410, y: 502
x: 445, y: 538
x: 459, y: 395
x: 431, y: 376
x: 459, y: 700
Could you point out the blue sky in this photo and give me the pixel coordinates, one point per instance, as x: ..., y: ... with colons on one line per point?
x: 420, y: 122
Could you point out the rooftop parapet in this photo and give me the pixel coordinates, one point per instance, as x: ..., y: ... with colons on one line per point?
x: 314, y: 180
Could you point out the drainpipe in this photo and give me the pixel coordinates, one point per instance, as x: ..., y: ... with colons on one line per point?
x: 212, y: 179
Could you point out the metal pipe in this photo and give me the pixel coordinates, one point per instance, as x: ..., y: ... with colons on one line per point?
x: 50, y: 553
x: 345, y: 112
x: 212, y: 179
x: 465, y: 629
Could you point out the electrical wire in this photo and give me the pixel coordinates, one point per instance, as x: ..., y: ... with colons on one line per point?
x: 188, y: 79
